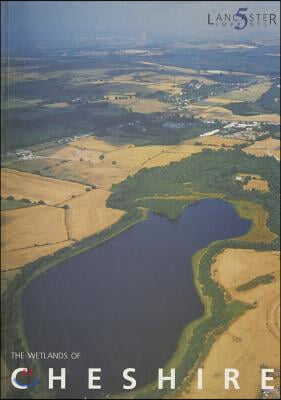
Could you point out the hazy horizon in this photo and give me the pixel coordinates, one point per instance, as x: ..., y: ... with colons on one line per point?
x: 26, y: 21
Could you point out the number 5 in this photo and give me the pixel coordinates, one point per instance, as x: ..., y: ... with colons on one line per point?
x: 243, y: 17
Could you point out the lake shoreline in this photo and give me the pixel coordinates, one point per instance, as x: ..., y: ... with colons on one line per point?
x: 186, y: 336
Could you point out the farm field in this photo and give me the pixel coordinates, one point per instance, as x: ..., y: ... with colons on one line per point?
x: 88, y: 214
x: 94, y: 143
x: 175, y: 154
x: 149, y: 106
x: 221, y: 100
x: 252, y: 340
x: 79, y: 171
x: 33, y: 226
x: 35, y: 188
x: 217, y: 141
x: 136, y: 140
x: 92, y: 161
x: 35, y: 165
x: 30, y: 233
x: 16, y: 259
x: 71, y: 152
x: 41, y: 230
x: 221, y: 113
x: 257, y: 184
x: 250, y: 94
x: 132, y: 159
x: 169, y: 83
x: 115, y: 165
x: 254, y: 182
x: 268, y: 147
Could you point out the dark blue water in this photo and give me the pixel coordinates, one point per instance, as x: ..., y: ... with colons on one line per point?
x: 125, y: 303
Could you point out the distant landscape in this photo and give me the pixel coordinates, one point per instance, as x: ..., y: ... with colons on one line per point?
x: 94, y: 139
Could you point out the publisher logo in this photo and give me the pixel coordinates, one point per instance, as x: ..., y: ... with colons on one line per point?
x: 24, y: 373
x: 243, y: 18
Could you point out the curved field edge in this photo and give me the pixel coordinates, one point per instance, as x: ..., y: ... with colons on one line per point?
x: 197, y: 337
x: 13, y: 332
x: 13, y: 319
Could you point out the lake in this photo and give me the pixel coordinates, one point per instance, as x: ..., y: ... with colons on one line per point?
x: 125, y: 303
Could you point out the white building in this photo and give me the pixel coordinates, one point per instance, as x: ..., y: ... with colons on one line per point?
x: 211, y: 133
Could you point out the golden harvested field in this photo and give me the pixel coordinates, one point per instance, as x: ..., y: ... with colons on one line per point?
x: 215, y: 141
x: 79, y: 171
x: 234, y: 267
x: 169, y: 156
x: 94, y: 143
x: 168, y: 87
x: 119, y: 161
x: 18, y: 258
x: 176, y: 153
x: 221, y: 113
x: 38, y: 225
x: 221, y: 100
x: 45, y: 229
x: 155, y: 82
x: 253, y: 339
x: 88, y: 214
x: 257, y: 184
x: 268, y: 147
x: 251, y: 93
x: 73, y: 153
x: 170, y: 83
x: 102, y: 175
x: 31, y: 234
x: 34, y: 187
x: 254, y: 183
x: 105, y: 175
x: 132, y: 159
x: 149, y: 106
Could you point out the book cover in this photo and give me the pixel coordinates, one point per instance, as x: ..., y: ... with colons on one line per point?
x: 140, y: 199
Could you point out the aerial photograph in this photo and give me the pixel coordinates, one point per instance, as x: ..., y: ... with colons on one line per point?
x: 140, y: 200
